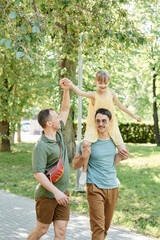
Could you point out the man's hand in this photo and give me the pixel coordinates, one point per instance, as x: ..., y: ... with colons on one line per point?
x: 124, y: 154
x: 65, y: 83
x: 86, y: 149
x: 61, y: 198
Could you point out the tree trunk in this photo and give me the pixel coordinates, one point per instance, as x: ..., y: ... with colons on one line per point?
x: 155, y: 111
x: 11, y: 138
x: 4, y: 124
x: 4, y: 132
x: 69, y: 138
x: 19, y: 131
x: 68, y: 133
x: 18, y: 136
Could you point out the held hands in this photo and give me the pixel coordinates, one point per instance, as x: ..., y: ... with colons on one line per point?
x: 65, y: 83
x: 124, y: 154
x: 61, y: 198
x: 86, y: 149
x: 138, y: 118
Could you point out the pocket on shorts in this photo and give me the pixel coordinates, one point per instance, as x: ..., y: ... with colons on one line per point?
x: 67, y: 193
x: 89, y: 187
x: 37, y: 199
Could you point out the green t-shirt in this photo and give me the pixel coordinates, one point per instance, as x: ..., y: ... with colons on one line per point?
x: 45, y: 156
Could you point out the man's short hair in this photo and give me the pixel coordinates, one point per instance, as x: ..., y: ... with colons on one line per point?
x: 44, y: 116
x: 104, y: 111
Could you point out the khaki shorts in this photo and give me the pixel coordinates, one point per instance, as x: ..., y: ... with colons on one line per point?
x: 48, y: 210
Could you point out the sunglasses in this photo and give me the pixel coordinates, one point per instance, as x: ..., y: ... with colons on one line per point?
x: 104, y: 121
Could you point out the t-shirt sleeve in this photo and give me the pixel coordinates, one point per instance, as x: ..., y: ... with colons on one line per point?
x: 79, y: 148
x: 39, y: 159
x: 62, y: 125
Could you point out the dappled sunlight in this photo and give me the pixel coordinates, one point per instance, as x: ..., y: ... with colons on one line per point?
x: 142, y: 162
x: 143, y: 150
x: 157, y: 180
x: 22, y: 147
x: 139, y: 191
x: 139, y: 195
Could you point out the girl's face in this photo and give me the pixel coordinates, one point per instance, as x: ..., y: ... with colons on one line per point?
x: 102, y: 85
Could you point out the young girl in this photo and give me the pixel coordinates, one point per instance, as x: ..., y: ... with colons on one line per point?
x: 102, y: 98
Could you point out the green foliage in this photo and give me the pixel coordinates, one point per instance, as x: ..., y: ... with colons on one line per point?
x: 137, y: 133
x: 21, y: 28
x: 41, y: 41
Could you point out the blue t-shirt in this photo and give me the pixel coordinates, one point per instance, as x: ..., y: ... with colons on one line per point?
x: 101, y: 170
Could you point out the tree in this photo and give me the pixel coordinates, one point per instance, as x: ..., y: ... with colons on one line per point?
x: 21, y: 30
x: 55, y: 27
x: 151, y: 26
x: 101, y: 23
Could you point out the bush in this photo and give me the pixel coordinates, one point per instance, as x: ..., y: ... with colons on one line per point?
x: 131, y: 132
x: 137, y: 133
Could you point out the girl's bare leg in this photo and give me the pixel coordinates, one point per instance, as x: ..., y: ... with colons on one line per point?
x: 83, y: 177
x: 117, y: 160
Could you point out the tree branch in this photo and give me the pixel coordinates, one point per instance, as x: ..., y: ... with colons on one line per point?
x: 10, y: 89
x: 6, y: 8
x: 77, y: 5
x: 63, y: 27
x: 35, y: 8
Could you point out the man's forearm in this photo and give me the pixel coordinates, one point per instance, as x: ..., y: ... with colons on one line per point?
x: 60, y: 197
x: 66, y: 101
x: 117, y: 159
x: 79, y: 160
x: 43, y: 180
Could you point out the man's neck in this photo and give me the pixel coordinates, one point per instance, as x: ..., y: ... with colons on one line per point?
x: 103, y: 136
x: 51, y: 134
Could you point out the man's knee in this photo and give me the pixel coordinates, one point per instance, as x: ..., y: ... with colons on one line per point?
x: 38, y: 232
x: 43, y: 230
x: 60, y: 230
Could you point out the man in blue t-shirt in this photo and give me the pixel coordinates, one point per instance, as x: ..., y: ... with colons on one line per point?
x: 102, y: 185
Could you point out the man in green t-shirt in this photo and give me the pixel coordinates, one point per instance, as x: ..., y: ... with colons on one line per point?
x: 102, y: 185
x: 52, y: 199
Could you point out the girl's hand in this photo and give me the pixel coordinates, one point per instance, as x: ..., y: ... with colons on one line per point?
x: 138, y: 118
x: 66, y: 82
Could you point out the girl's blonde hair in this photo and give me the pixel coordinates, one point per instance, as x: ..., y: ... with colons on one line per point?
x: 102, y: 76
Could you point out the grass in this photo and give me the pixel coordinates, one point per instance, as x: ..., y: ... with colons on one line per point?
x: 138, y: 206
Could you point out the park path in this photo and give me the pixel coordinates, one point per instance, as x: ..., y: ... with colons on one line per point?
x: 17, y: 219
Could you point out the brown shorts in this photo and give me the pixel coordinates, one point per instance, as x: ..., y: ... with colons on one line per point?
x: 48, y: 210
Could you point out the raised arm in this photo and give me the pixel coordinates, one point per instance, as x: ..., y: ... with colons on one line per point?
x: 69, y: 83
x: 123, y: 108
x: 65, y: 107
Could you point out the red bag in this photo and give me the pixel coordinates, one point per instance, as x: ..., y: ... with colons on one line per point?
x: 57, y: 171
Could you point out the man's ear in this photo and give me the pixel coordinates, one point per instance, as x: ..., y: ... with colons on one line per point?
x: 48, y: 123
x: 111, y: 121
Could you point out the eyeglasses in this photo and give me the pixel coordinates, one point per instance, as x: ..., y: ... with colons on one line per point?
x: 98, y: 122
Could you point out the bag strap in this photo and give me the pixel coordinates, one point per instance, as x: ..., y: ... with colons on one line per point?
x: 60, y: 151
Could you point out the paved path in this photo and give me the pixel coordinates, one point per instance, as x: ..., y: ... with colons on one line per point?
x: 17, y: 219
